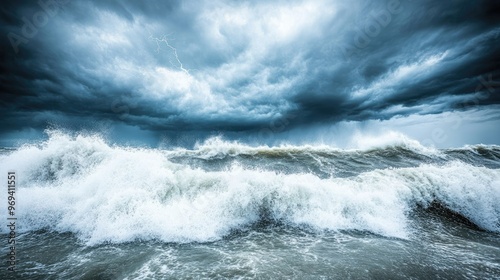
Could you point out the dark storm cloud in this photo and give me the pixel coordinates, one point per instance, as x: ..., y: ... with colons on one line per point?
x: 167, y: 66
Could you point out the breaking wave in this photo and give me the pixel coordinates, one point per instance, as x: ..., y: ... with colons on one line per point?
x: 105, y: 193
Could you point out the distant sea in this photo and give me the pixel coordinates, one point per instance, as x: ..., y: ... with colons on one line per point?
x: 87, y: 209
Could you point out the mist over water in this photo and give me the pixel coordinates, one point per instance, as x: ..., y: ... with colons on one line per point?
x: 221, y: 193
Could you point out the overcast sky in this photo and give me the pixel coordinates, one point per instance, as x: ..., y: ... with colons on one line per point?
x: 159, y: 71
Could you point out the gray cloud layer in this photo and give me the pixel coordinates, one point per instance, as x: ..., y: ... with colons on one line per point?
x: 232, y: 66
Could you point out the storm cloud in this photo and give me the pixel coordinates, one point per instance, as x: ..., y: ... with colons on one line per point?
x: 173, y: 67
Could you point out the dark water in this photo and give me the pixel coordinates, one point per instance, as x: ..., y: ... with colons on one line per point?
x: 88, y: 210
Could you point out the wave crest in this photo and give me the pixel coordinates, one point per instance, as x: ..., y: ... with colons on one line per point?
x: 108, y: 193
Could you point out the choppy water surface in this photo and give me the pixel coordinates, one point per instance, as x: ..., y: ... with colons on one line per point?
x: 87, y: 209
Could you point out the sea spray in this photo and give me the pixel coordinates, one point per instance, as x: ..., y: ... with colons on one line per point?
x: 106, y: 193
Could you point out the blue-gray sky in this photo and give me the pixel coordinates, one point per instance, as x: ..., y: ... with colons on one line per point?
x: 160, y: 71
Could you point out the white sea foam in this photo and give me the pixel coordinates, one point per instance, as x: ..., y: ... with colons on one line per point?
x: 108, y: 193
x: 217, y: 147
x: 361, y: 141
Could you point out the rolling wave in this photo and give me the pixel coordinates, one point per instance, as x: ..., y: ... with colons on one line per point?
x: 104, y: 193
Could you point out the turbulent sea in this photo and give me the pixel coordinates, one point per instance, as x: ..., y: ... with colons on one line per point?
x: 87, y: 209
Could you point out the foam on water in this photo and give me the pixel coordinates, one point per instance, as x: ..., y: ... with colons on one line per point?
x: 106, y: 193
x: 216, y: 147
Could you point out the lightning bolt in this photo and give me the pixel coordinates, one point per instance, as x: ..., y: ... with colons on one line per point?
x: 163, y: 39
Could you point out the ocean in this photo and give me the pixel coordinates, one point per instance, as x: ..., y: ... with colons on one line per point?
x: 88, y: 209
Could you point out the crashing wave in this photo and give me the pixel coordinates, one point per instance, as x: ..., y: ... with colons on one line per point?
x: 106, y: 193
